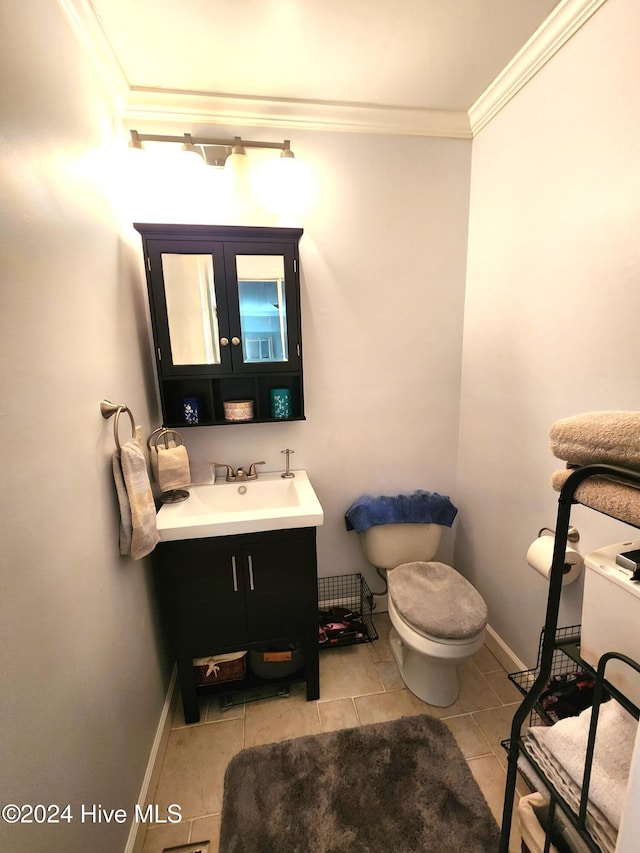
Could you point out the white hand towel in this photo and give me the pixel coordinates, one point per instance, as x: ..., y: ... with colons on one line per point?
x: 138, y: 529
x: 173, y: 467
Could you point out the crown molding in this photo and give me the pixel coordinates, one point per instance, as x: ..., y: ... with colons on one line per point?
x: 563, y: 22
x: 150, y: 105
x: 87, y: 28
x: 161, y: 105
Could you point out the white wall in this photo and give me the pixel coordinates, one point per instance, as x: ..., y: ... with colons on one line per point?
x: 552, y: 301
x: 82, y: 678
x: 383, y: 267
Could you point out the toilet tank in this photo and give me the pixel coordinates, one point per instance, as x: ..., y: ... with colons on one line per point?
x: 389, y: 545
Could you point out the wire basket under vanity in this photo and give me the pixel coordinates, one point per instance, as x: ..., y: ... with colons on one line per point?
x: 345, y: 611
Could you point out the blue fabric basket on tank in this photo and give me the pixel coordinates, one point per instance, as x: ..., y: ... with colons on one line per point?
x: 420, y: 507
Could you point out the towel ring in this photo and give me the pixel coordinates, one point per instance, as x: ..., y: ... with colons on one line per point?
x: 108, y: 409
x: 166, y: 434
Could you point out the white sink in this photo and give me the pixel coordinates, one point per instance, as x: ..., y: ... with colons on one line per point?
x: 221, y: 509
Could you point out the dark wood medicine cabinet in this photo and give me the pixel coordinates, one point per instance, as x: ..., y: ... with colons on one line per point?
x: 225, y: 314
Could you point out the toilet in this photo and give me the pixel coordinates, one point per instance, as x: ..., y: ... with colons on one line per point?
x: 438, y: 619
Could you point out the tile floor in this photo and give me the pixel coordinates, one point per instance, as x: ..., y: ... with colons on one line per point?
x: 358, y: 685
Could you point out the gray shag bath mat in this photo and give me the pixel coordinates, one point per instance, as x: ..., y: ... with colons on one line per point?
x: 401, y: 787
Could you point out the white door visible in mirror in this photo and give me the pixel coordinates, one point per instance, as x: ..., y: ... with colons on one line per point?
x: 263, y: 308
x: 192, y: 312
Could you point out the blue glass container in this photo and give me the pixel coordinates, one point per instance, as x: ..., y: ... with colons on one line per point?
x: 280, y: 403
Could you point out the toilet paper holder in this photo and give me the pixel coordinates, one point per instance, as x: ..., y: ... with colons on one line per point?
x: 573, y: 534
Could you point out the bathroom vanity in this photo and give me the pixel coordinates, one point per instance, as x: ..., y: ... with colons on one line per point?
x: 232, y: 593
x: 225, y: 313
x: 235, y: 570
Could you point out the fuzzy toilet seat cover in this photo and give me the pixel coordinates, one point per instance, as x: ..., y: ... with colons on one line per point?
x: 437, y: 600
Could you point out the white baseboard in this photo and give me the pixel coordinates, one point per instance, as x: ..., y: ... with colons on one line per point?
x: 507, y: 659
x: 154, y: 765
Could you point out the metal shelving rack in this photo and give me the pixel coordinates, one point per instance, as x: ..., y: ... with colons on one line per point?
x: 550, y: 643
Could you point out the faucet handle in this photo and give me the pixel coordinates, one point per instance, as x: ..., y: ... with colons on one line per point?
x: 230, y: 477
x: 252, y: 469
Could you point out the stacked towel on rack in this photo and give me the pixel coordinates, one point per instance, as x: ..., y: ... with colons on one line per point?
x: 612, y: 437
x: 619, y: 500
x: 138, y: 529
x: 560, y: 752
x: 170, y: 465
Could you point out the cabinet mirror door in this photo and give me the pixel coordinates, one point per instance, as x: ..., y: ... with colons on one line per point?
x: 192, y: 310
x: 262, y: 302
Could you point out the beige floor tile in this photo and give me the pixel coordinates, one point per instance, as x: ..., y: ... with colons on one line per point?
x: 194, y: 765
x: 207, y: 829
x: 278, y: 719
x: 469, y: 736
x: 491, y: 780
x: 475, y: 693
x: 496, y: 727
x: 486, y: 661
x: 213, y: 712
x: 209, y: 711
x: 379, y: 649
x: 337, y: 714
x: 389, y: 675
x: 348, y: 671
x: 381, y: 707
x: 506, y: 690
x: 158, y: 838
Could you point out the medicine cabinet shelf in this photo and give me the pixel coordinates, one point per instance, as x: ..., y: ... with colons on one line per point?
x: 211, y: 393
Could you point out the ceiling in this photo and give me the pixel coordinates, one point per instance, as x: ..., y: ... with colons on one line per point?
x: 365, y: 62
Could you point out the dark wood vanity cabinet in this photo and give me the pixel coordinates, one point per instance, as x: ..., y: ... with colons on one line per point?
x: 225, y: 314
x: 233, y: 593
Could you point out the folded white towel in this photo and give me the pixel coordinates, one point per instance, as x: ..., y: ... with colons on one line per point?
x: 567, y: 743
x: 138, y: 529
x: 172, y: 465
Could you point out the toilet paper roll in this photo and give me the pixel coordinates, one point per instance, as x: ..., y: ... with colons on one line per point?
x: 540, y: 558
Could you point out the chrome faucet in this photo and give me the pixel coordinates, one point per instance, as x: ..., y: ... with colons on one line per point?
x: 252, y: 474
x: 240, y: 473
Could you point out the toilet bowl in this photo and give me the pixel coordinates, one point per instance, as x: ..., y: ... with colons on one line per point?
x: 438, y: 619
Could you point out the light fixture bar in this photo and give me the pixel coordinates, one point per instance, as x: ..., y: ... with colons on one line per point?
x: 138, y: 138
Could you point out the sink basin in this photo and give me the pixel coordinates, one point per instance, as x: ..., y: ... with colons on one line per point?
x: 222, y: 509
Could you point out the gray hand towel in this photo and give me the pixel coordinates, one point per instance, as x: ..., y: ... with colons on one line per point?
x: 138, y: 529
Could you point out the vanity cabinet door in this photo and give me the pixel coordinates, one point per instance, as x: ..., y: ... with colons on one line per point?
x: 188, y: 299
x: 263, y: 307
x: 281, y: 586
x: 202, y: 594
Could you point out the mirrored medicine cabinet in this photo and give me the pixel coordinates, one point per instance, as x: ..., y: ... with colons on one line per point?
x: 225, y: 314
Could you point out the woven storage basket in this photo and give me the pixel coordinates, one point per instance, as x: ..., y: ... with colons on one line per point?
x: 216, y: 669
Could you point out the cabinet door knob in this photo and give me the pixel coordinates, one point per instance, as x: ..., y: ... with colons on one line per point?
x: 224, y: 342
x: 251, y: 583
x: 235, y: 574
x: 235, y: 341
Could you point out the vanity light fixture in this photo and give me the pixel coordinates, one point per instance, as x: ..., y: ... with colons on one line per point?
x: 281, y: 186
x: 201, y: 145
